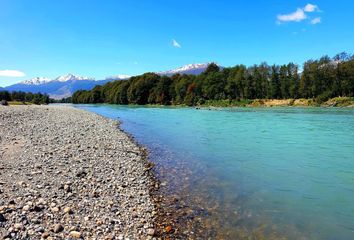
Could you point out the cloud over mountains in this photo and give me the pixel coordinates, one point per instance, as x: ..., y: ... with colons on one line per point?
x: 300, y: 14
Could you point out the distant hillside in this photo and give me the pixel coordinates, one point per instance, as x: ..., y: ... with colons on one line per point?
x: 55, y: 89
x: 194, y: 69
x: 61, y: 87
x: 65, y: 86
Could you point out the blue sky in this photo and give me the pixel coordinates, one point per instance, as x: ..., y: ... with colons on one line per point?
x: 111, y: 37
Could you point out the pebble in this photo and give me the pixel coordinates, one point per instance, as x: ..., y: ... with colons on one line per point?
x: 55, y: 209
x: 2, y: 218
x: 75, y: 234
x: 151, y: 232
x: 26, y: 208
x: 74, y: 175
x: 58, y: 228
x: 68, y: 210
x: 18, y: 226
x: 45, y: 235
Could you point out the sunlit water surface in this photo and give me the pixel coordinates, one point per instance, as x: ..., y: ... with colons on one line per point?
x: 288, y: 170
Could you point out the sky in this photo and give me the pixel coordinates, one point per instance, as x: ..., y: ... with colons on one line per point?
x: 101, y: 38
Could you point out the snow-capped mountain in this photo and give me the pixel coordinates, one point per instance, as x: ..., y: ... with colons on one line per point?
x: 195, y: 69
x: 36, y: 81
x: 64, y: 78
x: 62, y: 86
x: 65, y: 86
x: 118, y: 77
x: 72, y: 77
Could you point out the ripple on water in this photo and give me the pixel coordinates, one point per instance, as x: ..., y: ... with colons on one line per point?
x: 249, y: 173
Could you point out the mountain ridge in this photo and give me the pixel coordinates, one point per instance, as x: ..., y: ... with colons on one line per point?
x: 65, y: 85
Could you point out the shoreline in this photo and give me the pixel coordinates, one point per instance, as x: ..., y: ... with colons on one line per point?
x: 338, y: 102
x: 103, y: 187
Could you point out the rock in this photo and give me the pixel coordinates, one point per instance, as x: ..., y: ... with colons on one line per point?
x: 2, y: 218
x: 40, y: 230
x: 67, y: 188
x: 75, y: 234
x: 37, y: 208
x: 68, y: 210
x: 168, y: 229
x: 26, y: 208
x: 81, y: 173
x: 58, y: 228
x: 18, y: 226
x: 45, y: 235
x: 151, y: 232
x: 41, y: 201
x: 55, y: 209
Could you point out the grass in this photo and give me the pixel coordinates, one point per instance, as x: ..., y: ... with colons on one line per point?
x: 16, y: 103
x: 340, y: 102
x: 333, y: 102
x: 226, y: 103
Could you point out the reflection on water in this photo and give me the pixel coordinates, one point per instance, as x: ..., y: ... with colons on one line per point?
x: 249, y: 172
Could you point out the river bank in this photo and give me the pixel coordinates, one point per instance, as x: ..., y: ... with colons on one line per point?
x: 67, y: 173
x: 301, y: 102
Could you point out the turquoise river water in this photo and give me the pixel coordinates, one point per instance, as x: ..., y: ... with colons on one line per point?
x: 261, y: 172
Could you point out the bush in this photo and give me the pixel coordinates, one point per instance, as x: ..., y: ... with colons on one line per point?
x: 323, y: 97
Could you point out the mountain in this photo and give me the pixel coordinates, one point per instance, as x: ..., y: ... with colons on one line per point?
x: 60, y: 87
x: 118, y: 77
x: 194, y: 69
x: 36, y: 81
x: 72, y: 77
x: 65, y: 86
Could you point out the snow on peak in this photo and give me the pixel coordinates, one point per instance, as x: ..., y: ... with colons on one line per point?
x: 72, y: 77
x: 118, y: 77
x: 191, y: 66
x: 36, y: 81
x: 195, y: 68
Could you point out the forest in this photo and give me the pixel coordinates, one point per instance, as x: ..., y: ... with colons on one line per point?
x: 319, y: 79
x: 35, y: 98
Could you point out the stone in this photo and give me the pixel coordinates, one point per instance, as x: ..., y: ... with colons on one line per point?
x: 168, y: 229
x: 55, y: 209
x: 67, y: 188
x: 151, y: 232
x: 4, y: 103
x: 26, y: 208
x: 68, y: 210
x: 18, y: 226
x: 75, y: 234
x: 45, y: 235
x: 58, y: 228
x: 81, y: 173
x: 2, y: 218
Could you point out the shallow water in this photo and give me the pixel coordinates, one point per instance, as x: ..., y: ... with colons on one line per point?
x: 273, y: 172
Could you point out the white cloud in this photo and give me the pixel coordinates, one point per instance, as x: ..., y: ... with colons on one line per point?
x: 135, y: 63
x: 310, y: 7
x: 299, y: 15
x: 11, y: 73
x: 176, y: 44
x: 316, y: 20
x: 296, y: 16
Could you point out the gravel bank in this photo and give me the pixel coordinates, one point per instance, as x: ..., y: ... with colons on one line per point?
x: 66, y: 173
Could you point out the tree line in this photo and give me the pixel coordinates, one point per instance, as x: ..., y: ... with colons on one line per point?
x: 320, y: 79
x: 19, y: 96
